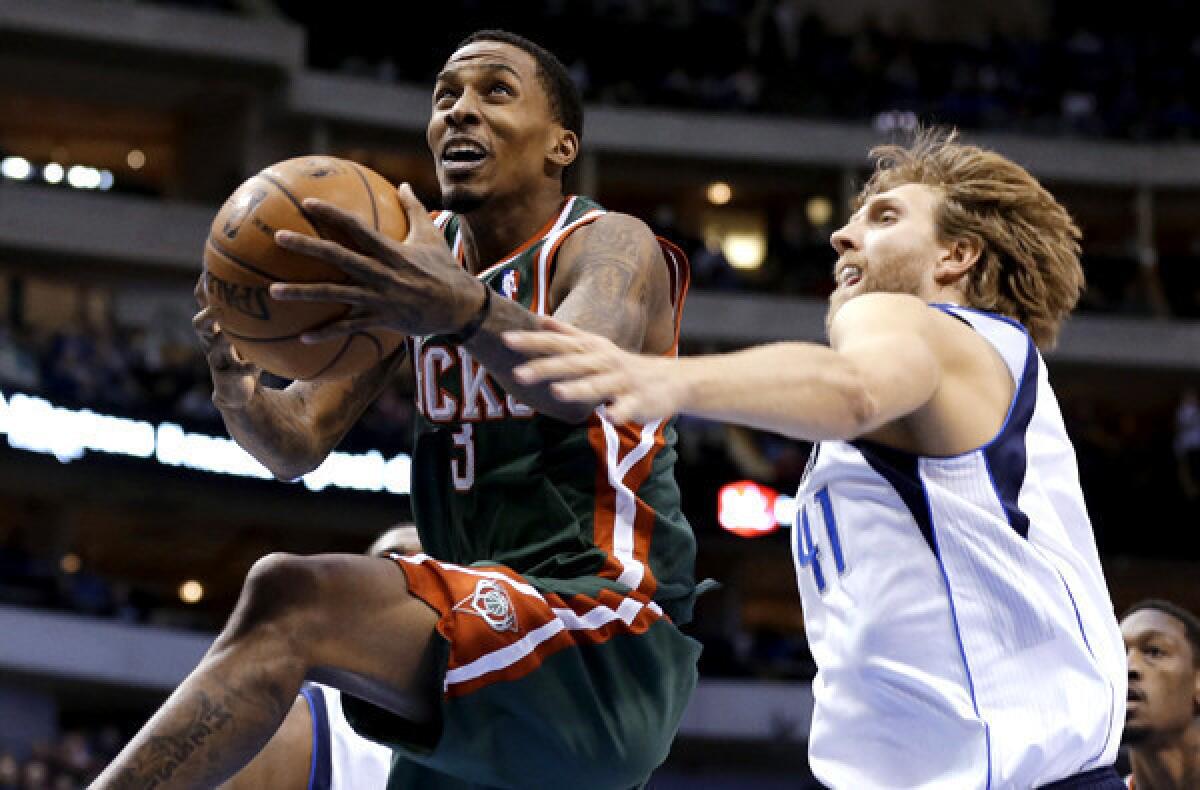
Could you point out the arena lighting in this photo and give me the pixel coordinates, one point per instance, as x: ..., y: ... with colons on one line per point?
x: 747, y: 509
x: 15, y: 168
x: 719, y: 193
x: 136, y: 159
x: 70, y: 563
x: 750, y: 510
x: 191, y: 591
x: 53, y: 173
x: 36, y: 425
x: 819, y: 210
x: 744, y: 250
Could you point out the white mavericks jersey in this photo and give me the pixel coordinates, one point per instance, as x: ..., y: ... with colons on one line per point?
x: 341, y: 758
x: 956, y: 609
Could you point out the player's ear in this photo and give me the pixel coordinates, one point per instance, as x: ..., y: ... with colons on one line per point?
x: 957, y: 258
x: 564, y: 147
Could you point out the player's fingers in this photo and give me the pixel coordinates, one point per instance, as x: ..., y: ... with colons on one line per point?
x: 559, y: 367
x: 558, y: 325
x: 358, y: 266
x: 224, y: 359
x: 199, y: 291
x: 596, y: 388
x: 339, y: 329
x: 541, y: 343
x: 318, y: 292
x: 420, y: 226
x: 205, y: 325
x: 329, y: 217
x: 628, y: 408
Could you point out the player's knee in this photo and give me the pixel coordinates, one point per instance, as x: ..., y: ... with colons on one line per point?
x: 281, y: 595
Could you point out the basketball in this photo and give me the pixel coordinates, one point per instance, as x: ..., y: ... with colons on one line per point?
x: 241, y: 260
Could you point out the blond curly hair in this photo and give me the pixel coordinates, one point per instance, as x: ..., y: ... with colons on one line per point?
x: 1029, y: 267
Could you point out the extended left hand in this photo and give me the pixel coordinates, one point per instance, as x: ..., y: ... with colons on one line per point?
x: 590, y: 369
x: 412, y: 286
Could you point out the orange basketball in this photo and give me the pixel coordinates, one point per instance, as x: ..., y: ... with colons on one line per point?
x: 241, y: 260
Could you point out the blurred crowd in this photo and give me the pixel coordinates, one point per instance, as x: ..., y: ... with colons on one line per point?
x: 1088, y: 69
x: 69, y: 763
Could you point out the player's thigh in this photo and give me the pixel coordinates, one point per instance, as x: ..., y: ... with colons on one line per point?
x: 350, y: 616
x: 284, y: 762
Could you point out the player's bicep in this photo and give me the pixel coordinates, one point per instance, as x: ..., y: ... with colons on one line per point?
x: 887, y: 340
x: 612, y: 280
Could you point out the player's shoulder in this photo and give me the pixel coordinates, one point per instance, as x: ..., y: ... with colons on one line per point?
x: 615, y: 235
x: 882, y: 312
x: 879, y: 314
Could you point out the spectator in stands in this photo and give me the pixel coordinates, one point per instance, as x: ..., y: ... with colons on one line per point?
x: 1162, y: 720
x: 1187, y: 444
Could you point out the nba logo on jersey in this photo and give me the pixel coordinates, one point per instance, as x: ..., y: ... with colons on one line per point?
x: 510, y: 283
x: 491, y: 602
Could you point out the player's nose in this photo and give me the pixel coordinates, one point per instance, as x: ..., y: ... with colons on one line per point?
x: 843, y: 239
x: 465, y: 110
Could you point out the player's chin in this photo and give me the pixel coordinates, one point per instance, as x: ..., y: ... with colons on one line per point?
x: 463, y: 198
x: 1135, y: 733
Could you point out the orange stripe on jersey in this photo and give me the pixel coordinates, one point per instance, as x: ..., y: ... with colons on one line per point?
x: 605, y: 508
x: 681, y: 278
x: 499, y: 627
x: 643, y: 525
x: 623, y: 523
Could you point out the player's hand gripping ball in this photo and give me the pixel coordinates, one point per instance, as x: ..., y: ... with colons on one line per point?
x: 242, y: 259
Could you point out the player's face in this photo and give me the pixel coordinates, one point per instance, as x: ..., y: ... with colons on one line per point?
x: 491, y: 126
x: 1164, y: 686
x: 890, y: 244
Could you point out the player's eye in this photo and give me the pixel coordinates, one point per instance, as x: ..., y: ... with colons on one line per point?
x: 1154, y: 651
x: 501, y: 89
x: 443, y: 94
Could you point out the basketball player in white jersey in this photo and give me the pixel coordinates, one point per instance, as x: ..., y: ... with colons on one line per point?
x: 1162, y: 719
x: 952, y: 593
x: 316, y: 748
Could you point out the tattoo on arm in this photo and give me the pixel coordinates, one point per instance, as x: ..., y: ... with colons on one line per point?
x: 161, y: 755
x: 613, y: 291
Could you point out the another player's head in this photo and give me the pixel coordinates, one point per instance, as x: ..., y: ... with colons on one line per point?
x: 507, y: 120
x: 940, y: 219
x: 400, y: 539
x: 1162, y: 644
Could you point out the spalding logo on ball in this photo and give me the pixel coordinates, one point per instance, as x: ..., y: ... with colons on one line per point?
x: 241, y: 260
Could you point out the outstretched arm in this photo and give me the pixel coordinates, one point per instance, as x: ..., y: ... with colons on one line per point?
x: 879, y: 367
x: 610, y: 280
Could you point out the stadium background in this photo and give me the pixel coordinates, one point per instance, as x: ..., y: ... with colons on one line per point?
x: 737, y: 128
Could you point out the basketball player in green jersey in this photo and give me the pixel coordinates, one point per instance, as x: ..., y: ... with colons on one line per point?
x: 536, y: 644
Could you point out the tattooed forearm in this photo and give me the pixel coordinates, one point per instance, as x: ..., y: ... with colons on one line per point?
x: 161, y: 755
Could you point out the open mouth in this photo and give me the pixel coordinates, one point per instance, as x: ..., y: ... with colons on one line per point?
x: 849, y: 276
x: 463, y: 156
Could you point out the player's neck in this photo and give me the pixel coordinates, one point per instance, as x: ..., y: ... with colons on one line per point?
x: 1169, y: 766
x: 500, y: 227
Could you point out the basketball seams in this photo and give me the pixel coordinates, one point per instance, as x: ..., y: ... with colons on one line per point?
x: 336, y: 357
x: 240, y: 262
x: 247, y: 266
x: 370, y: 195
x: 288, y: 194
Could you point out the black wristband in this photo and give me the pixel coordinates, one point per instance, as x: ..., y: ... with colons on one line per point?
x: 472, y: 326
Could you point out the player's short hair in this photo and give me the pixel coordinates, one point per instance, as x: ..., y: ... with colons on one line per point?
x: 1191, y: 623
x: 1029, y: 269
x: 566, y: 105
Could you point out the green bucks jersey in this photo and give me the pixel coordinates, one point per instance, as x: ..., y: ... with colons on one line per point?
x: 574, y: 508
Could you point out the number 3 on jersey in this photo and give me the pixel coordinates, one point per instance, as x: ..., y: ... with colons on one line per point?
x: 806, y: 551
x: 462, y: 471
